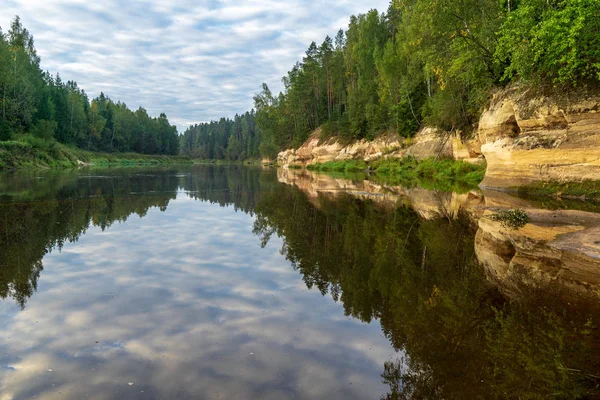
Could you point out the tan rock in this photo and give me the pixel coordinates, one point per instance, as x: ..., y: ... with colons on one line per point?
x: 527, y: 137
x: 428, y: 142
x: 556, y: 248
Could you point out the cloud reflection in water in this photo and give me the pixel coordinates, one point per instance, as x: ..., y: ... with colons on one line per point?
x: 184, y: 304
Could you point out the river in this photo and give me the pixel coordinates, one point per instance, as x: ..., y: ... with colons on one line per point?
x: 230, y: 282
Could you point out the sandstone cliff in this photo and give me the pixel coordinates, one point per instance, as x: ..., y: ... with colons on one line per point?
x: 530, y: 136
x: 427, y: 143
x: 524, y: 136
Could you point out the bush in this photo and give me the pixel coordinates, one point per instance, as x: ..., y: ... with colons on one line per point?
x: 552, y: 41
x: 44, y: 129
x: 36, y: 142
x: 512, y: 219
x: 443, y: 174
x: 5, y: 132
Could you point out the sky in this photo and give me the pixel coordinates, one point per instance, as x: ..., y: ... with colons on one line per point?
x: 193, y: 60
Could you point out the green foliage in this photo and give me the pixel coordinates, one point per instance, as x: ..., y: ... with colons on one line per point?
x: 233, y: 140
x: 5, y: 131
x: 432, y: 169
x: 435, y: 174
x: 429, y: 62
x: 37, y: 103
x: 330, y: 129
x: 421, y: 62
x: 339, y: 166
x: 44, y: 129
x: 556, y: 41
x: 513, y: 219
x: 33, y: 152
x: 589, y: 190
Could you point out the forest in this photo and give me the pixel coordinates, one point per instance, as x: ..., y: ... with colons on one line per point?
x: 429, y: 62
x: 41, y: 109
x: 236, y: 140
x: 422, y: 62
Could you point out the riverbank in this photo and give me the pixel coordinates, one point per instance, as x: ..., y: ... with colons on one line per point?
x: 409, y: 169
x: 534, y: 141
x: 225, y: 162
x: 54, y: 155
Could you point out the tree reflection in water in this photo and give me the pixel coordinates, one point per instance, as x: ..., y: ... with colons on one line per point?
x: 456, y: 335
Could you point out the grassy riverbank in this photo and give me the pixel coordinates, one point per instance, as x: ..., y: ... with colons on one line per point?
x: 226, y: 162
x: 585, y: 190
x: 32, y: 154
x: 410, y: 169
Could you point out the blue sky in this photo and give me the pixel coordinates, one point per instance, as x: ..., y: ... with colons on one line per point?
x: 194, y: 60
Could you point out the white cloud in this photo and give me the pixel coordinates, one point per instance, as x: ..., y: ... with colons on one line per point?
x: 195, y: 61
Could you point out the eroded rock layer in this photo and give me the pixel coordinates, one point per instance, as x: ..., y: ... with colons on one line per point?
x: 427, y: 143
x: 524, y: 135
x: 527, y: 137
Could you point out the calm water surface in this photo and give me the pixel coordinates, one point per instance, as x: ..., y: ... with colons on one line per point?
x: 221, y: 282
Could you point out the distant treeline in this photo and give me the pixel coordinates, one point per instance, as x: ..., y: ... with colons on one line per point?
x: 237, y: 139
x: 38, y: 107
x: 429, y: 62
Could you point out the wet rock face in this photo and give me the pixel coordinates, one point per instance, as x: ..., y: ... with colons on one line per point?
x: 527, y: 137
x: 555, y: 248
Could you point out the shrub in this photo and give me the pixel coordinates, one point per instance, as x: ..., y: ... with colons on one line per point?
x: 513, y: 219
x: 44, y: 129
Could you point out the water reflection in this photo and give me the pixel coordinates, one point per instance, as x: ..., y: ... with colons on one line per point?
x: 199, y: 301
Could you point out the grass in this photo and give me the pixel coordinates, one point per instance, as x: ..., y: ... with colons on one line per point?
x: 438, y: 174
x: 339, y: 166
x: 32, y: 153
x: 434, y: 169
x: 131, y: 159
x: 588, y: 190
x: 226, y: 162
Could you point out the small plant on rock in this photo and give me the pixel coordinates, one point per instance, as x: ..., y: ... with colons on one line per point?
x: 513, y: 219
